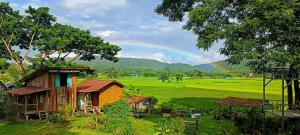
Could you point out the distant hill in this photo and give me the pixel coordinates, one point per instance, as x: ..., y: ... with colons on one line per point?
x: 223, y: 65
x: 135, y: 63
x: 138, y: 64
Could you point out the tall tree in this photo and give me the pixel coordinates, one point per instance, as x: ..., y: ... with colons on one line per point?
x: 37, y: 29
x: 263, y: 32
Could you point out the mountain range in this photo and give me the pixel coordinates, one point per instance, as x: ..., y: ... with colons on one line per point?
x: 139, y: 63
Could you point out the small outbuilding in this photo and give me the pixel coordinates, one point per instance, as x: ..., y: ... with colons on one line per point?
x: 94, y: 94
x: 139, y: 104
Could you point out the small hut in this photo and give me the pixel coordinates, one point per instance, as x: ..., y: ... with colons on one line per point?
x: 139, y: 104
x: 94, y: 94
x: 238, y: 102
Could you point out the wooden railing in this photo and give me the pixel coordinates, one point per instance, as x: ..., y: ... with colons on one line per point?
x: 277, y: 105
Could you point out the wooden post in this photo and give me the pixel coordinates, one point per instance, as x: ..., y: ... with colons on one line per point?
x: 282, y: 106
x: 219, y: 111
x: 137, y: 109
x: 74, y: 88
x: 149, y: 107
x: 264, y: 98
x: 25, y: 106
x: 46, y: 101
x: 37, y: 102
x: 230, y: 111
x: 18, y: 110
x: 85, y: 104
x: 264, y: 92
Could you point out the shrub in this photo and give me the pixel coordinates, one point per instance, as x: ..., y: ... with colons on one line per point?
x: 57, y: 118
x: 252, y: 124
x: 62, y: 116
x: 116, y: 118
x: 79, y: 114
x: 172, y: 126
x: 66, y: 111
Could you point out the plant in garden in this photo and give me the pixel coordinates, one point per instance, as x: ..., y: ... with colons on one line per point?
x: 57, y: 118
x: 116, y: 118
x: 66, y: 111
x: 62, y: 116
x: 171, y: 127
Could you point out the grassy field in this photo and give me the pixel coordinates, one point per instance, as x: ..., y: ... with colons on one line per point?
x: 187, y: 94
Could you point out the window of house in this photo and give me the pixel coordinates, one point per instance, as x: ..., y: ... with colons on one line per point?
x: 63, y: 79
x: 42, y: 98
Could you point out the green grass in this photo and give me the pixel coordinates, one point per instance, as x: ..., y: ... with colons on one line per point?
x: 202, y: 88
x: 187, y: 94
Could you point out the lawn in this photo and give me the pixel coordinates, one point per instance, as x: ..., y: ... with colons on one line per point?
x: 187, y: 94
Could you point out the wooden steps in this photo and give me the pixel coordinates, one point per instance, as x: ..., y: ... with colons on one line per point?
x: 43, y: 115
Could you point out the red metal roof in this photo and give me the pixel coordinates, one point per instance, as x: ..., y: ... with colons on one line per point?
x: 27, y: 90
x: 242, y: 102
x: 95, y: 85
x: 137, y: 99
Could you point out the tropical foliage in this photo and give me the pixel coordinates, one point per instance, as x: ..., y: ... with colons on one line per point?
x: 37, y: 29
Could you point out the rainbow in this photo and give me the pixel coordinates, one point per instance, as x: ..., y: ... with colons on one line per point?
x: 148, y: 44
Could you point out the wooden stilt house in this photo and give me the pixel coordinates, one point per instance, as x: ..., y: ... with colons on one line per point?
x: 46, y: 90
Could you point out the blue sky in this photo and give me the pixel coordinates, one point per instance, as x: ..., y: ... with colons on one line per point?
x: 131, y: 24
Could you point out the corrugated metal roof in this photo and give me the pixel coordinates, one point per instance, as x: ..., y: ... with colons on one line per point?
x: 95, y: 85
x: 242, y: 102
x: 137, y: 99
x: 27, y: 90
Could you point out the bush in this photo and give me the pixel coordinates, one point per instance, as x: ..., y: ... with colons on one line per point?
x: 57, y: 118
x: 66, y: 111
x: 172, y: 126
x: 116, y: 118
x: 62, y: 116
x: 79, y: 114
x: 251, y: 123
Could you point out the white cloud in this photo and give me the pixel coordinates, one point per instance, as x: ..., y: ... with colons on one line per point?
x: 160, y: 26
x: 96, y: 4
x: 160, y: 57
x: 107, y: 33
x: 154, y: 56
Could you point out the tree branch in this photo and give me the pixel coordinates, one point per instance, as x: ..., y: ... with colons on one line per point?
x: 66, y: 55
x: 31, y: 40
x: 77, y: 56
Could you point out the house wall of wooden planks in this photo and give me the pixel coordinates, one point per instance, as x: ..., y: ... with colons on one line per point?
x: 57, y: 96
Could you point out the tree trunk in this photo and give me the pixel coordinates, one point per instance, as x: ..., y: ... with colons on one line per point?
x: 296, y: 90
x: 290, y: 95
x: 21, y: 66
x: 3, y: 86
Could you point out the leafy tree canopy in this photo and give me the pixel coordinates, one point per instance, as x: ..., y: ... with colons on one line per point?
x: 264, y: 32
x: 37, y: 29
